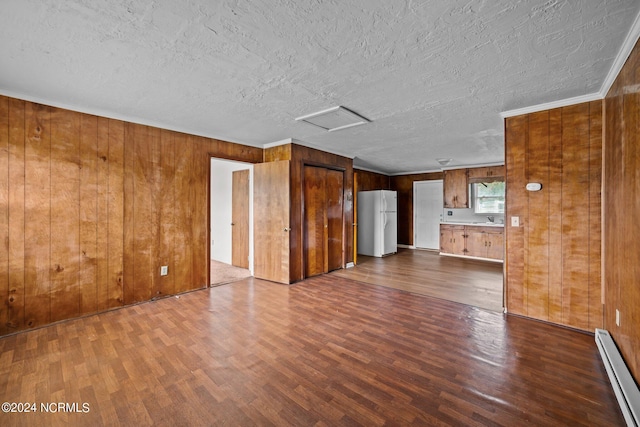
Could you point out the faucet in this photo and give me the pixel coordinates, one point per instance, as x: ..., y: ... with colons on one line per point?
x: 491, y: 219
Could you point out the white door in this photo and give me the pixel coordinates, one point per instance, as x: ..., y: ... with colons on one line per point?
x: 427, y: 213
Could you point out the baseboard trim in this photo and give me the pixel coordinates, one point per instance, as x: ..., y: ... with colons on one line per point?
x: 622, y: 381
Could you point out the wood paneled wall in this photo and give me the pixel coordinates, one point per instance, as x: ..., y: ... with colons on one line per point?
x: 622, y: 211
x: 403, y: 184
x: 553, y: 263
x: 366, y: 181
x: 299, y: 156
x: 90, y: 208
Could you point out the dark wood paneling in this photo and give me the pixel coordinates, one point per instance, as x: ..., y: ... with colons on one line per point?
x: 64, y: 208
x: 115, y: 211
x: 622, y: 210
x: 92, y: 250
x: 183, y: 249
x: 37, y: 205
x: 403, y: 184
x: 551, y: 264
x: 575, y: 215
x: 516, y: 145
x: 537, y: 232
x: 555, y: 225
x: 94, y: 208
x: 367, y: 181
x: 199, y: 204
x: 165, y: 285
x: 4, y: 211
x: 15, y: 302
x: 277, y: 153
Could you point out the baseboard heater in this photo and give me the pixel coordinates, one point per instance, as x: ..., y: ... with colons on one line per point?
x: 622, y: 382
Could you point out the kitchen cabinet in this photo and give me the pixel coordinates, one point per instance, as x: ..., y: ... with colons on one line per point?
x: 472, y: 240
x: 484, y: 242
x: 456, y: 188
x: 486, y: 174
x: 452, y: 239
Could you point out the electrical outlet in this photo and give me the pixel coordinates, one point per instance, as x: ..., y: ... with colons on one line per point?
x: 617, y: 317
x: 164, y: 270
x: 515, y: 221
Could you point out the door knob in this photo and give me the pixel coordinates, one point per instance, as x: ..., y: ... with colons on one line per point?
x: 233, y: 223
x: 287, y: 229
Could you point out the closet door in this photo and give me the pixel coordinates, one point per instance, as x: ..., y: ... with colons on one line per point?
x: 323, y: 220
x: 271, y: 216
x: 335, y: 219
x: 315, y: 221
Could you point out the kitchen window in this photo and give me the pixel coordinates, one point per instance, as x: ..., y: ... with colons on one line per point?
x: 488, y: 197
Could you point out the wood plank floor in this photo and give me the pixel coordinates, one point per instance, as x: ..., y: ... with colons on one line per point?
x: 467, y: 281
x: 325, y: 352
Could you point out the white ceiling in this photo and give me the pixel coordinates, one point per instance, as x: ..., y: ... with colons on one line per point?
x: 433, y: 76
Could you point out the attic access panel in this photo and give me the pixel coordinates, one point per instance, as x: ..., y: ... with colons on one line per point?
x: 334, y: 119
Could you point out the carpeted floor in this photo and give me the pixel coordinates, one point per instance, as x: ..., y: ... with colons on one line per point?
x: 222, y: 273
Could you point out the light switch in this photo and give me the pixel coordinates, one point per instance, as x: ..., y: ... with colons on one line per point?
x: 164, y: 270
x: 515, y: 221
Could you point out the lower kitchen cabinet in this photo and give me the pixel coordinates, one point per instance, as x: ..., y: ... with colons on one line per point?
x: 485, y: 242
x: 472, y: 241
x: 452, y: 239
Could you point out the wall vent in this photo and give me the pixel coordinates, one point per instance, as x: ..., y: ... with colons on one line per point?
x: 333, y: 119
x: 622, y: 382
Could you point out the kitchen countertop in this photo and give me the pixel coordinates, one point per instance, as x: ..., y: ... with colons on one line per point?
x: 478, y: 224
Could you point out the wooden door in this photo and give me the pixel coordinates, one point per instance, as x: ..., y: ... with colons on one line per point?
x: 240, y: 219
x: 315, y: 221
x: 335, y: 222
x: 271, y: 216
x: 323, y: 220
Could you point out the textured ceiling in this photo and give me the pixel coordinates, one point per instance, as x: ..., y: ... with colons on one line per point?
x: 433, y: 76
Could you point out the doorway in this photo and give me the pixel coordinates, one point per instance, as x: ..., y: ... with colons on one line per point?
x: 427, y: 213
x: 230, y: 218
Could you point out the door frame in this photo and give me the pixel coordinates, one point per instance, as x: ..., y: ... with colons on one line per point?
x: 306, y: 163
x: 212, y: 156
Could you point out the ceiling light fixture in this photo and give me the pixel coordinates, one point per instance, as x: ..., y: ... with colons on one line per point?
x: 335, y: 118
x: 444, y: 162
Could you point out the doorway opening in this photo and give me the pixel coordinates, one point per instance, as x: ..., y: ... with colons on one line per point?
x: 230, y: 221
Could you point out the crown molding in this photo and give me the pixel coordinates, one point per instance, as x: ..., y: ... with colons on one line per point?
x: 623, y: 54
x: 423, y: 171
x: 278, y: 143
x: 551, y: 105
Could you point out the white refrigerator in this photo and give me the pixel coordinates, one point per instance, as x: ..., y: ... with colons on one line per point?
x: 377, y: 222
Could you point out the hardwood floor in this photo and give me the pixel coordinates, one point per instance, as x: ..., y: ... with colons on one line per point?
x: 327, y: 351
x: 467, y: 281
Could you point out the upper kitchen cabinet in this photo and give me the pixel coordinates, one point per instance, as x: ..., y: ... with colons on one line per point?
x: 486, y: 174
x: 456, y: 188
